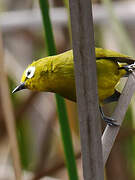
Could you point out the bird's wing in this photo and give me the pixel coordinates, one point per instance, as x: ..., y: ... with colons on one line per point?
x: 112, y: 55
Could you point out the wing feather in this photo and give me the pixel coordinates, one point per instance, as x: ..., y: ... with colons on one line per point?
x: 112, y: 55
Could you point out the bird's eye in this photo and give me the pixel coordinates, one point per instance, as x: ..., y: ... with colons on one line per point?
x: 30, y: 72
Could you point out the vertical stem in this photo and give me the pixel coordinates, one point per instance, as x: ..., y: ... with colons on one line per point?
x: 61, y: 108
x: 86, y: 88
x: 8, y: 115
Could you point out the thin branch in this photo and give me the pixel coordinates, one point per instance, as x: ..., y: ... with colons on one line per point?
x: 110, y: 133
x: 8, y: 114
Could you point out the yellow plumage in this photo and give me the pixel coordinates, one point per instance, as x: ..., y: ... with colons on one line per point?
x: 56, y: 73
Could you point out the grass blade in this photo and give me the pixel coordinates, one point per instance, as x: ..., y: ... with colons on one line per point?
x: 61, y: 107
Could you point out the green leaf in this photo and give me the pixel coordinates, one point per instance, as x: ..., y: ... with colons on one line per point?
x: 61, y: 107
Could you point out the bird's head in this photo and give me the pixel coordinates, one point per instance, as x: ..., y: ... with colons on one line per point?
x: 34, y: 77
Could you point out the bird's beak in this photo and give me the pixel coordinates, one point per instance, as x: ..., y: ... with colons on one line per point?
x: 19, y: 87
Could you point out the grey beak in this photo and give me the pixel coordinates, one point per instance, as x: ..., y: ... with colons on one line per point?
x: 19, y: 87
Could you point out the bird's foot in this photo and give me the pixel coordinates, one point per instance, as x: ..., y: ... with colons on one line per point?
x: 129, y: 68
x: 110, y: 121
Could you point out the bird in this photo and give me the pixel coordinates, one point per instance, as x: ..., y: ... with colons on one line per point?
x: 56, y: 74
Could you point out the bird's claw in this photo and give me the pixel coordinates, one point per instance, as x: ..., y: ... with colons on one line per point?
x: 129, y: 68
x: 110, y: 121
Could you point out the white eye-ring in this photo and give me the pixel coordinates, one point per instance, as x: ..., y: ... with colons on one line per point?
x: 30, y: 72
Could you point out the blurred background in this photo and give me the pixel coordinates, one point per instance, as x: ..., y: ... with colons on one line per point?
x: 37, y: 126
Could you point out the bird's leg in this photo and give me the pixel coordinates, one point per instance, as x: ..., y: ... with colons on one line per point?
x: 129, y: 68
x: 112, y: 98
x: 110, y: 121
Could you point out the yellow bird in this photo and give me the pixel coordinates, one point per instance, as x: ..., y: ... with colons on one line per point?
x: 56, y: 74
